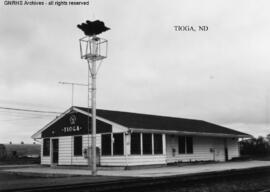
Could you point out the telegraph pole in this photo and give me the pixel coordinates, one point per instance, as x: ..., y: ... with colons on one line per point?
x: 93, y: 49
x: 72, y: 88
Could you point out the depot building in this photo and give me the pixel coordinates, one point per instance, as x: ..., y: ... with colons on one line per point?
x: 131, y: 139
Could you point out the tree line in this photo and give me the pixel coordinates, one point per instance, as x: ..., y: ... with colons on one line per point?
x: 256, y: 146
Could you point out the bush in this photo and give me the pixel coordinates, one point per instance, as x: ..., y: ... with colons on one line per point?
x: 255, y: 147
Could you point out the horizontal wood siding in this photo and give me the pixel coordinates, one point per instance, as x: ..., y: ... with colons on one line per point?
x: 233, y: 148
x: 133, y: 160
x: 201, y: 152
x: 66, y: 155
x: 118, y: 129
x: 44, y: 160
x: 65, y: 150
x: 81, y: 160
x: 201, y: 149
x: 219, y: 146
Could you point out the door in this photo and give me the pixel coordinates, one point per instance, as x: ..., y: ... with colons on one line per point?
x: 226, y: 154
x: 55, y: 149
x: 226, y: 150
x: 171, y: 148
x: 98, y: 156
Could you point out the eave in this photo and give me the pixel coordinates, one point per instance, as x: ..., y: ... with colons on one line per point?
x: 174, y: 132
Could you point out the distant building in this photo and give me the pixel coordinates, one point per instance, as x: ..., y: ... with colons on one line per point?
x: 129, y: 139
x: 12, y: 151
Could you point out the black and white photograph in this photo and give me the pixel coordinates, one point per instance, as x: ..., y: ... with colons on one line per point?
x: 133, y: 95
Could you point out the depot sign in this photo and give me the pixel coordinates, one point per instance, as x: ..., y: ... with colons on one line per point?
x: 74, y: 124
x: 73, y: 127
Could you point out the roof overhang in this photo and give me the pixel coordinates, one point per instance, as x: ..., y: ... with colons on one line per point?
x: 37, y: 135
x: 190, y: 133
x: 98, y: 117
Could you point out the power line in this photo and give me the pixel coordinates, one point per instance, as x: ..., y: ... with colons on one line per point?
x: 23, y: 113
x: 23, y: 118
x: 28, y: 110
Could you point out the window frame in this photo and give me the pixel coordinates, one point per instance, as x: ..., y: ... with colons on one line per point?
x: 114, y: 144
x: 109, y: 150
x: 158, y: 147
x: 46, y: 149
x: 188, y: 145
x: 181, y: 144
x: 149, y: 143
x: 139, y: 146
x: 75, y: 153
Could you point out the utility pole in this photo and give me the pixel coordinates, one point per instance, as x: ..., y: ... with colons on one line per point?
x: 72, y: 88
x: 93, y: 49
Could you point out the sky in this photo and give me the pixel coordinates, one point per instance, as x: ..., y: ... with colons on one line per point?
x: 220, y: 75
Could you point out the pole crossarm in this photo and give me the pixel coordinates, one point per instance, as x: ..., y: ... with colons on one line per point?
x: 72, y: 87
x: 71, y: 83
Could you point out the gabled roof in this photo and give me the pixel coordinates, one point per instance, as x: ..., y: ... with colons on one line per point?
x: 37, y: 135
x: 155, y: 122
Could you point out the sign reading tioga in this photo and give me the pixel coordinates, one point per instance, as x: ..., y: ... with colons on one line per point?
x: 73, y: 127
x: 74, y: 124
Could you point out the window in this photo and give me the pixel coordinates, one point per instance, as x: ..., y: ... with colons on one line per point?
x: 46, y: 147
x: 106, y: 141
x: 189, y: 141
x: 158, y: 144
x: 182, y: 144
x: 147, y: 143
x: 135, y: 148
x: 77, y: 146
x: 118, y: 144
x: 185, y: 145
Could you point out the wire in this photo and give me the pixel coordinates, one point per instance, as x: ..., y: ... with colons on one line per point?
x: 23, y: 113
x: 24, y: 118
x: 28, y: 110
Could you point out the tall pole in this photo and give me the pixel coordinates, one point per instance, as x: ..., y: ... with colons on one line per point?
x: 91, y: 50
x: 94, y: 166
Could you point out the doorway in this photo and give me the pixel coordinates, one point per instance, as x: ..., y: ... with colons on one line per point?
x: 226, y: 154
x: 226, y: 150
x: 55, y: 151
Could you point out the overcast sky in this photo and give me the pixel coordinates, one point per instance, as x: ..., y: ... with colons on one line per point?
x: 221, y: 75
